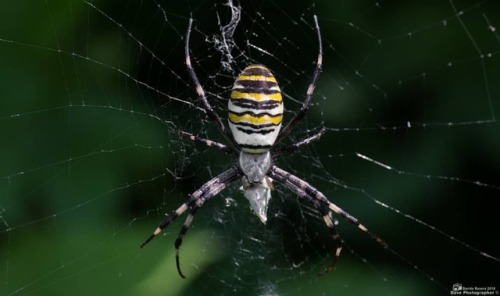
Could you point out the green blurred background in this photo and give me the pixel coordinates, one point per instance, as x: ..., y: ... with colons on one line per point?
x: 90, y: 96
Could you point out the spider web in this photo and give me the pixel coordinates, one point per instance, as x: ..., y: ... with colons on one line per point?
x: 93, y: 93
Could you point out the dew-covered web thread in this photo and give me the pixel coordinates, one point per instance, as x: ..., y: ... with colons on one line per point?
x: 98, y: 109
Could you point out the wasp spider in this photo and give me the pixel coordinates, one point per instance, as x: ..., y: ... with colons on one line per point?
x: 255, y: 118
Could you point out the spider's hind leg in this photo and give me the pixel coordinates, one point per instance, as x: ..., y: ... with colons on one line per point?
x: 310, y: 89
x: 200, y: 92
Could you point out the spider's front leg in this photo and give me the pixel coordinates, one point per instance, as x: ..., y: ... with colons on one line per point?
x: 195, y: 201
x: 311, y: 194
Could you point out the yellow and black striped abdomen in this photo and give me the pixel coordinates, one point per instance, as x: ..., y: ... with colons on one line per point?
x: 255, y: 109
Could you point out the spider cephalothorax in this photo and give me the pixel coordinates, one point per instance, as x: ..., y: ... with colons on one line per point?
x: 255, y: 118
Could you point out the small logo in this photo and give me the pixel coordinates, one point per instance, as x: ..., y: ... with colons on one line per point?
x: 457, y: 287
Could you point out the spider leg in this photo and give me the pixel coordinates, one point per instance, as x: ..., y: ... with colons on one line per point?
x: 305, y: 190
x: 336, y: 239
x: 195, y: 201
x: 310, y: 90
x: 202, y: 98
x: 299, y: 144
x: 209, y: 143
x: 180, y: 237
x: 323, y: 210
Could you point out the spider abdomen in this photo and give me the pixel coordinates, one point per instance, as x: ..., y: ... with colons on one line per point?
x: 255, y: 109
